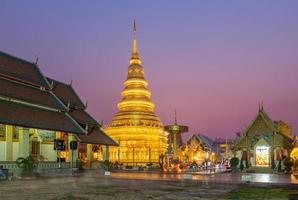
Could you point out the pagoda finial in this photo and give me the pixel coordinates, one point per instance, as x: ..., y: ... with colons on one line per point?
x: 262, y: 106
x: 135, y: 59
x: 175, y: 117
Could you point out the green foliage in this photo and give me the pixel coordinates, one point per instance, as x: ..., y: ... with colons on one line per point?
x: 246, y: 164
x: 234, y: 162
x: 248, y: 192
x: 288, y: 162
x: 106, y: 165
x: 26, y: 164
x: 279, y: 166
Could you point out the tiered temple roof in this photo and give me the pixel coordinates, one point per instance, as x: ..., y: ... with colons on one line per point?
x: 282, y: 137
x: 29, y: 99
x: 77, y: 110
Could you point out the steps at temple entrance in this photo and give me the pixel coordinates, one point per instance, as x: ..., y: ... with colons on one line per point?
x: 259, y: 170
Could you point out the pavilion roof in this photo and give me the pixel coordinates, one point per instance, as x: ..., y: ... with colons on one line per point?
x: 26, y: 98
x: 29, y: 94
x: 21, y: 70
x: 31, y: 116
x: 96, y: 136
x: 82, y: 117
x: 66, y: 94
x: 207, y: 141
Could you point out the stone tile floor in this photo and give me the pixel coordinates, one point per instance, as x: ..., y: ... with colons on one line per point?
x: 109, y: 188
x: 138, y: 186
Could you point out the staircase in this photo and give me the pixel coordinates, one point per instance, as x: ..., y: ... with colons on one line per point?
x: 254, y: 169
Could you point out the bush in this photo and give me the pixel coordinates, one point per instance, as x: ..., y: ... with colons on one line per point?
x: 234, y: 162
x: 246, y: 164
x: 241, y: 165
x: 106, y: 165
x: 288, y: 162
x: 279, y: 166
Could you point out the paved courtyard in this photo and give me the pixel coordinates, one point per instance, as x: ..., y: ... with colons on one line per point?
x: 109, y: 188
x: 127, y: 186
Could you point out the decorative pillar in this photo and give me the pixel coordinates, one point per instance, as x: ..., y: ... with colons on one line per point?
x: 133, y: 156
x: 9, y: 143
x: 106, y: 153
x: 89, y: 154
x: 72, y: 154
x: 23, y: 142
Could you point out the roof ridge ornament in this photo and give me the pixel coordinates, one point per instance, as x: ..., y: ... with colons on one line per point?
x: 36, y: 60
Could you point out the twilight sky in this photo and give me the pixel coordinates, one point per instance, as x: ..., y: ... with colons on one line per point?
x: 211, y: 60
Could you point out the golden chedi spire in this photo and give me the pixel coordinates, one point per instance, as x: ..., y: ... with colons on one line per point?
x: 135, y: 59
x: 136, y: 127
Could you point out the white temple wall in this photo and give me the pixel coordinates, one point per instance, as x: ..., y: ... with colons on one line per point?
x: 48, y: 152
x: 2, y: 150
x: 15, y: 153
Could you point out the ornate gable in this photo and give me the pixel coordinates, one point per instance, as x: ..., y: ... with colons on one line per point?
x: 262, y: 124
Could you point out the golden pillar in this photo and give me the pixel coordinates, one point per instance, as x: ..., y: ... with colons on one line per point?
x: 9, y: 142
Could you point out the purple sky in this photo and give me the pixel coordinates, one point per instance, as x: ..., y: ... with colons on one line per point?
x: 211, y: 60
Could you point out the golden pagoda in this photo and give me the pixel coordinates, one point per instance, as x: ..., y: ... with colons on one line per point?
x: 137, y: 129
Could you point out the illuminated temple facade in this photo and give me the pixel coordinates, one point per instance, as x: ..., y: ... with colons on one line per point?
x: 264, y: 142
x: 136, y: 127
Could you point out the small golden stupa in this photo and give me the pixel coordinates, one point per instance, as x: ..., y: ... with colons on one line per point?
x: 137, y: 129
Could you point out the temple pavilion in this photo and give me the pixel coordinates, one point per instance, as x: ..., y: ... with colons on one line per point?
x: 35, y: 110
x: 264, y: 141
x: 137, y: 129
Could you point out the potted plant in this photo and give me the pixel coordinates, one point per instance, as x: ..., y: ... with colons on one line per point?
x: 234, y: 163
x: 27, y: 165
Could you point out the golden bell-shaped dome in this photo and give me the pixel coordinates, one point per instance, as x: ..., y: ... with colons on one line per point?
x: 136, y: 127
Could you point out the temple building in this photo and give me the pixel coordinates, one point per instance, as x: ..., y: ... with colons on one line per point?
x: 35, y: 110
x: 199, y: 148
x: 264, y: 142
x: 136, y: 128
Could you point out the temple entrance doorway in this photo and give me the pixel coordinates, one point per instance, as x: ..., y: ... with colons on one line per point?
x: 262, y: 156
